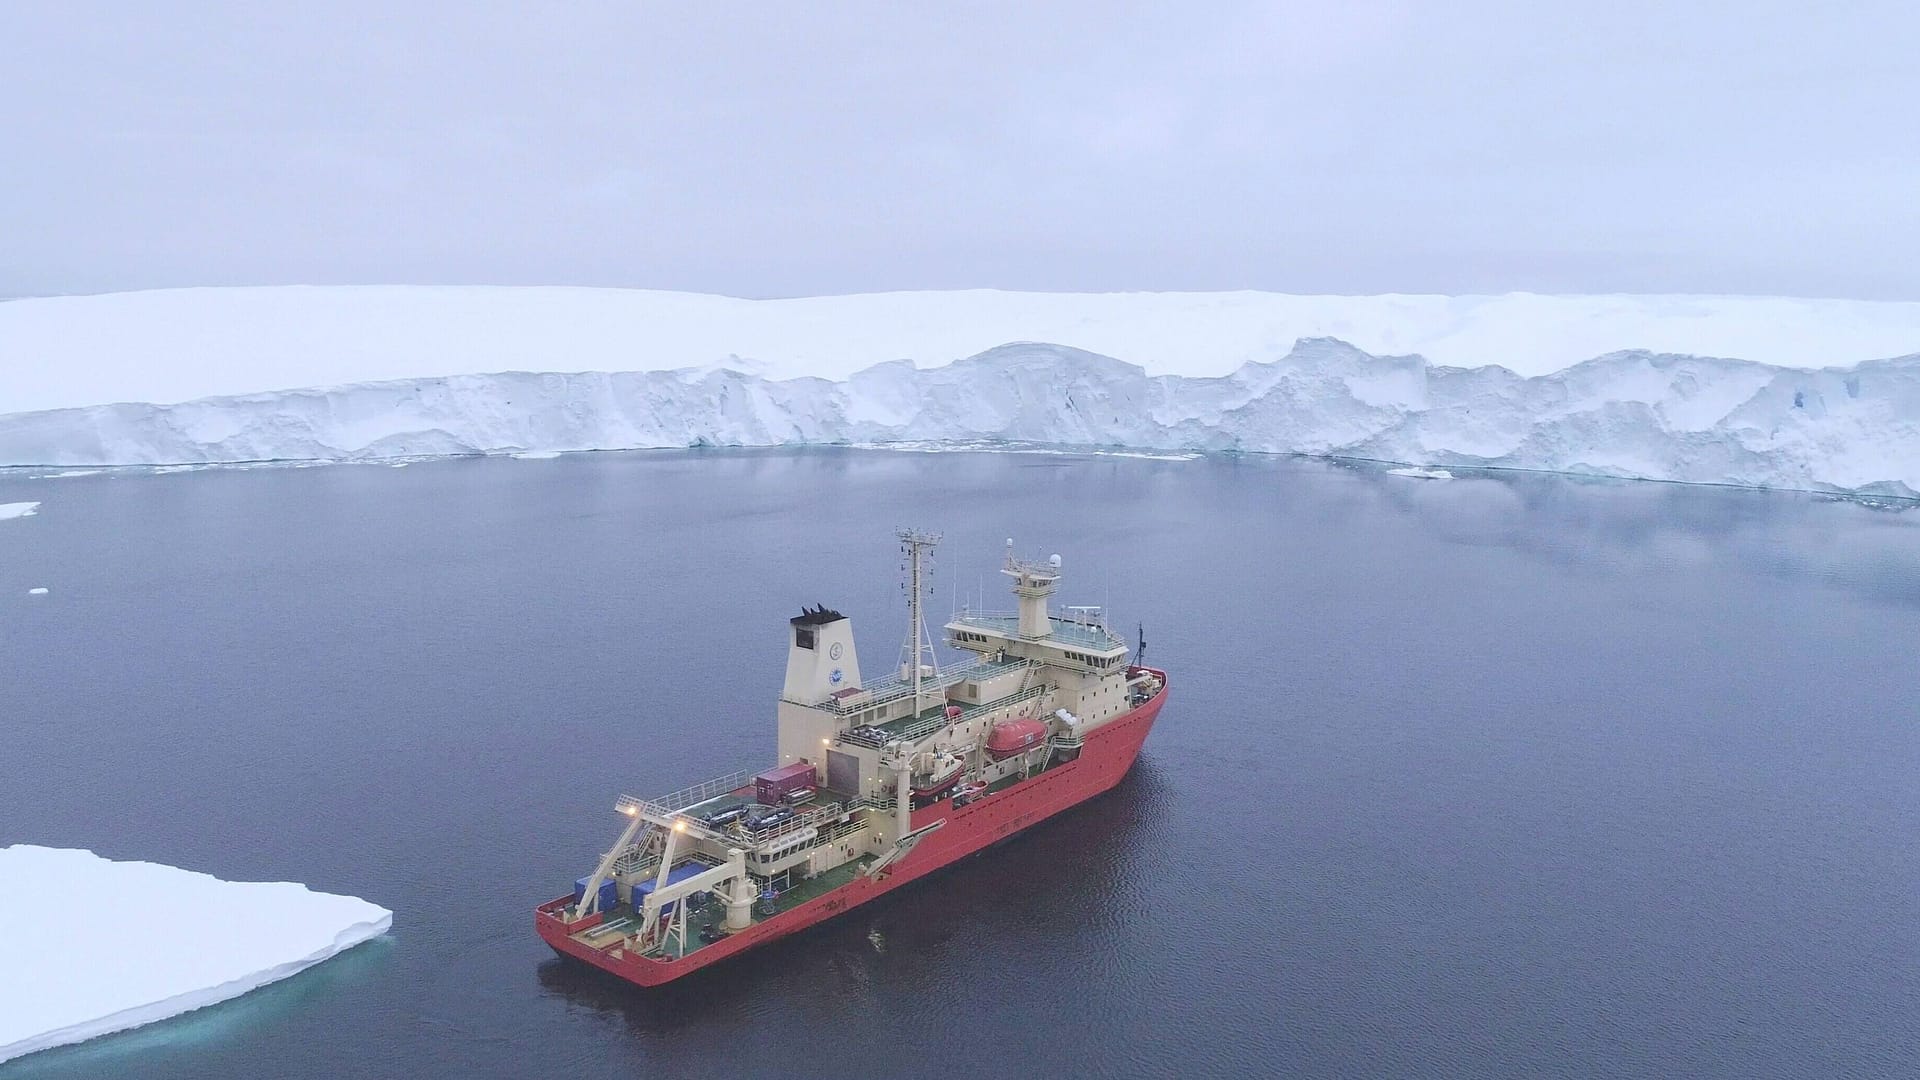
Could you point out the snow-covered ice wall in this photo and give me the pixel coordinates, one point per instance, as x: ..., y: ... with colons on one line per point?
x: 198, y: 940
x: 177, y: 345
x: 1622, y: 386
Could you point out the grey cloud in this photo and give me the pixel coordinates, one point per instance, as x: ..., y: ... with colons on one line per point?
x: 789, y: 149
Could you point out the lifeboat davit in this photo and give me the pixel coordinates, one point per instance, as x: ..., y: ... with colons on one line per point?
x: 1010, y: 737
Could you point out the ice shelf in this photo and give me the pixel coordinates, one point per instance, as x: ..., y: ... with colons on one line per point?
x: 197, y: 940
x: 172, y: 345
x: 1752, y: 391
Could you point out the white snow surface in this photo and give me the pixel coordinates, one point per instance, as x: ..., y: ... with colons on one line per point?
x: 198, y: 940
x: 174, y: 345
x: 1611, y: 385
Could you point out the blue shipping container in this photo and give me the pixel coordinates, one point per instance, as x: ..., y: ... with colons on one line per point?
x: 609, y: 893
x: 677, y: 874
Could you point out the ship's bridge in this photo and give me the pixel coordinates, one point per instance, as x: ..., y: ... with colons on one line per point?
x: 1079, y: 639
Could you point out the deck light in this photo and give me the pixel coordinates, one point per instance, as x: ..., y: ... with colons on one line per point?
x: 680, y: 826
x: 627, y: 810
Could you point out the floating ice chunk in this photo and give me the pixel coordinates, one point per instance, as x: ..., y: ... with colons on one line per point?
x: 196, y: 940
x: 536, y: 455
x: 17, y: 510
x: 1144, y: 455
x: 69, y: 472
x: 1421, y: 472
x: 41, y: 591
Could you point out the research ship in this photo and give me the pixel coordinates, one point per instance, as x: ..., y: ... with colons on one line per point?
x: 878, y: 782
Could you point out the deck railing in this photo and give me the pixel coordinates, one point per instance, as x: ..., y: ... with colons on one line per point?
x: 691, y: 796
x: 822, y: 816
x: 936, y: 718
x: 895, y: 685
x: 928, y: 724
x: 1079, y: 630
x: 631, y: 860
x: 737, y: 834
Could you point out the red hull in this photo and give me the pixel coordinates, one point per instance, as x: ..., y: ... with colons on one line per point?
x: 1108, y: 754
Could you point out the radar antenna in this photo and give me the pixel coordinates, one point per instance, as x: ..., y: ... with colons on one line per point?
x: 916, y: 653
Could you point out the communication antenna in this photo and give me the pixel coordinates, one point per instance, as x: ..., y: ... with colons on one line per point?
x: 916, y: 556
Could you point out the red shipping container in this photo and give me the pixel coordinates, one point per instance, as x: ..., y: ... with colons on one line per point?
x: 775, y: 784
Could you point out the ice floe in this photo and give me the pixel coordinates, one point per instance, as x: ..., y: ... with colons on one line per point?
x: 195, y: 940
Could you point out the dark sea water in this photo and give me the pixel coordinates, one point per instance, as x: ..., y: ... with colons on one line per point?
x: 1519, y: 777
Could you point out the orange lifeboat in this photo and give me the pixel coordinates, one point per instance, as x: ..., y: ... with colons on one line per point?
x: 1010, y: 737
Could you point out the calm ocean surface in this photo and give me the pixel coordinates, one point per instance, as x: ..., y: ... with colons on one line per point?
x: 1521, y: 777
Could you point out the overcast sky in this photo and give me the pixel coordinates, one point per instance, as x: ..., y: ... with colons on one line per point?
x: 786, y: 149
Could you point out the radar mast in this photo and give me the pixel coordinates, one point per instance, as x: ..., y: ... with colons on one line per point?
x: 916, y: 653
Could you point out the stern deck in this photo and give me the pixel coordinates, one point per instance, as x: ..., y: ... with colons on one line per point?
x: 621, y: 921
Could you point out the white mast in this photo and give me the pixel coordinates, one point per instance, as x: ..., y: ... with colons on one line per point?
x: 916, y: 652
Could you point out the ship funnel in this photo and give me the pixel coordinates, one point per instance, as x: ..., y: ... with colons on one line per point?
x: 820, y: 655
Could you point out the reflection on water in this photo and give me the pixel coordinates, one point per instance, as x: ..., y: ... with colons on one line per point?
x: 1871, y: 548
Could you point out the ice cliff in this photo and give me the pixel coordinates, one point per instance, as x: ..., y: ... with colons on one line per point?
x: 1633, y: 413
x: 191, y: 940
